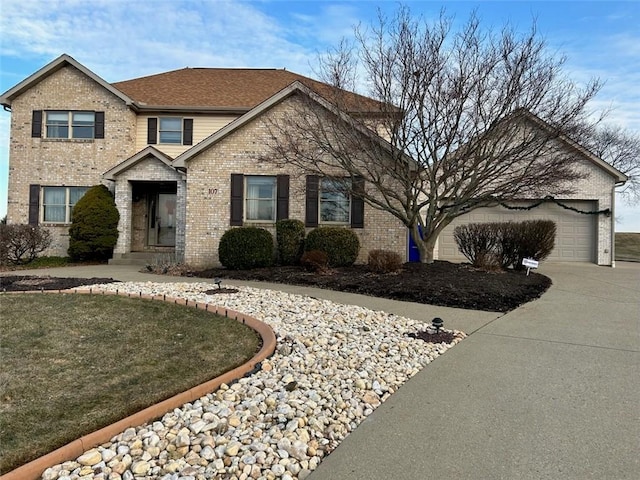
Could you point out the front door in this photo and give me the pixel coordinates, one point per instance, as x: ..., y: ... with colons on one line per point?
x: 162, y: 220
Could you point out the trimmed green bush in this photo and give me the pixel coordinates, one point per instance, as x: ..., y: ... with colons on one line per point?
x: 94, y: 226
x: 244, y: 248
x: 290, y: 240
x: 340, y: 244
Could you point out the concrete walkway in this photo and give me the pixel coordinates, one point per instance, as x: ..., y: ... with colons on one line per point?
x: 548, y: 391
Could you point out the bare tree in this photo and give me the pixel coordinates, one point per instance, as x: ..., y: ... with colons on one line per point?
x: 469, y: 117
x: 618, y: 147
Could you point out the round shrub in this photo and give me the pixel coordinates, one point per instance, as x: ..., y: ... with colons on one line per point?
x: 243, y: 248
x: 290, y: 240
x: 340, y: 244
x: 94, y: 226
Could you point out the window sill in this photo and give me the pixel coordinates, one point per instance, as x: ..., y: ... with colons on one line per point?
x: 69, y: 140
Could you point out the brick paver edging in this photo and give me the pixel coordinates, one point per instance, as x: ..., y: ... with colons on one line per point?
x: 33, y: 470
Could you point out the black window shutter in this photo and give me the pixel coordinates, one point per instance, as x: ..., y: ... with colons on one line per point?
x: 237, y: 191
x: 34, y: 204
x: 282, y: 210
x: 357, y: 203
x: 36, y: 124
x: 99, y: 119
x: 152, y: 131
x: 187, y: 131
x: 311, y: 213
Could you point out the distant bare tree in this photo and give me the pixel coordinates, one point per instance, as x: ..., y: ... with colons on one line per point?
x: 471, y: 116
x: 620, y: 148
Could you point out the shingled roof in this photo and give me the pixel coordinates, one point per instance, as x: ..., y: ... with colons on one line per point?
x: 227, y: 89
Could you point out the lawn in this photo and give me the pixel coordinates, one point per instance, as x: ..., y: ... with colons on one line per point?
x: 628, y: 247
x: 74, y: 363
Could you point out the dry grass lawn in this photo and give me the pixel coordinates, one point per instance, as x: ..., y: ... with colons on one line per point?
x: 74, y: 363
x: 628, y: 247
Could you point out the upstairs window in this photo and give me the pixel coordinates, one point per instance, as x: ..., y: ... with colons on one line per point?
x: 67, y: 124
x: 58, y: 203
x: 170, y: 131
x: 62, y: 124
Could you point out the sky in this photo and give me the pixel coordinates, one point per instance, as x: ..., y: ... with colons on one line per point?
x: 124, y: 39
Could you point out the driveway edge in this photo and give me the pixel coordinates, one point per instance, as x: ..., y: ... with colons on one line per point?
x: 34, y: 469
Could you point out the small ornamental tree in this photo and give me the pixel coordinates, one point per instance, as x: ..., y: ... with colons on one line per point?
x: 94, y: 226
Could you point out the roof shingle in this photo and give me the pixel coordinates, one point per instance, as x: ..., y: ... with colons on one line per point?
x: 226, y: 88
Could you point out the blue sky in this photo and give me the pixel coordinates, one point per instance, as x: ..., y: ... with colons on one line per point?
x: 122, y: 39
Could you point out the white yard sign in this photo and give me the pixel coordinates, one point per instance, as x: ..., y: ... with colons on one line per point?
x: 529, y: 263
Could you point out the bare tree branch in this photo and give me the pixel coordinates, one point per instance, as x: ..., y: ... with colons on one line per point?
x: 469, y: 116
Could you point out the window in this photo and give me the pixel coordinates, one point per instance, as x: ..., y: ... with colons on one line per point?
x: 257, y: 198
x: 63, y: 124
x: 58, y: 203
x: 260, y: 198
x: 335, y: 201
x: 170, y: 130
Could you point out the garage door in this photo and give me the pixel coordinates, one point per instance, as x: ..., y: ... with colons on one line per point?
x: 575, y: 232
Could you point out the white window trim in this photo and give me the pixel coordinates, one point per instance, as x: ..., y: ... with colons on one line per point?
x: 70, y: 125
x: 68, y: 207
x: 274, y: 199
x: 327, y: 222
x: 160, y: 130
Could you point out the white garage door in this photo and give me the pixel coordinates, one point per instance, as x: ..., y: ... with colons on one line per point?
x: 575, y: 232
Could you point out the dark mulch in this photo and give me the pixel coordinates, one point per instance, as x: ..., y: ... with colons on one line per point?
x: 21, y: 283
x: 440, y: 337
x: 439, y: 283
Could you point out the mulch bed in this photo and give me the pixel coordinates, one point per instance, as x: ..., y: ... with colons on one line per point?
x: 21, y: 283
x: 440, y: 283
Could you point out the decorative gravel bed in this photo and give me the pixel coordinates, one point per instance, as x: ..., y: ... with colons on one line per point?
x: 333, y: 366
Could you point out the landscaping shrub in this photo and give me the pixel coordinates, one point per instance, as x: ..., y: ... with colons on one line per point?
x: 290, y: 240
x: 478, y: 242
x: 340, y: 244
x: 315, y: 261
x: 384, y: 261
x: 20, y: 244
x: 244, y: 248
x: 94, y: 226
x: 536, y: 239
x: 492, y: 245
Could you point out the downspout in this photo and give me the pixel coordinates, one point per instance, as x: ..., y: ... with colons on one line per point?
x: 613, y: 226
x: 613, y: 222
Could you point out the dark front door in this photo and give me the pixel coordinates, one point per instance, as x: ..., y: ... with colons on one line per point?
x: 162, y: 220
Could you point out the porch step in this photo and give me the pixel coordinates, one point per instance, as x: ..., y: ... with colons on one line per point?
x: 135, y: 258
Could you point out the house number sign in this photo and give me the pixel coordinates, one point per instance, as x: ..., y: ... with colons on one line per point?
x: 213, y: 191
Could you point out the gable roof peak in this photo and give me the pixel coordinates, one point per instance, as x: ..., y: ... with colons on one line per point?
x: 52, y: 67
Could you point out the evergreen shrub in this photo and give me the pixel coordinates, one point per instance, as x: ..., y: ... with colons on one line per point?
x: 243, y: 248
x: 94, y: 226
x: 290, y: 240
x: 340, y: 244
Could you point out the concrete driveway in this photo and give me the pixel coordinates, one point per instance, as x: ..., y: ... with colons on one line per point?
x: 548, y: 391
